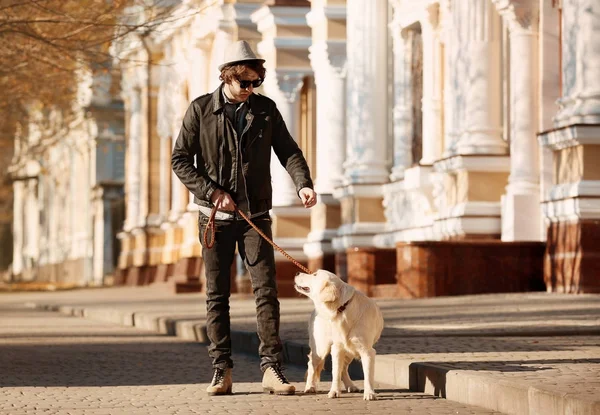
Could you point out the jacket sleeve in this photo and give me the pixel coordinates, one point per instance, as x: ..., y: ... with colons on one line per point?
x: 289, y: 154
x: 187, y: 146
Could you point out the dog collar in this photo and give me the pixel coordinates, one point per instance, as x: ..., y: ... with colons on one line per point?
x: 343, y: 307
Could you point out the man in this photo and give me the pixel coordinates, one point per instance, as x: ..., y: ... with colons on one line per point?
x: 230, y: 132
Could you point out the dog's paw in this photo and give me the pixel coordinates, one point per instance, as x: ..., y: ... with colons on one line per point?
x: 310, y: 389
x: 334, y: 394
x: 369, y: 396
x: 353, y: 389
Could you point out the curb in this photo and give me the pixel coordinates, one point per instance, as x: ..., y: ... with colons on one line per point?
x: 455, y: 385
x: 294, y: 353
x: 479, y: 390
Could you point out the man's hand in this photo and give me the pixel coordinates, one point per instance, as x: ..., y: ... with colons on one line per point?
x: 308, y: 197
x: 222, y: 200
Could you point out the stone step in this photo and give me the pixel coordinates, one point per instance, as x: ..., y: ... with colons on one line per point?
x: 188, y: 287
x: 486, y: 391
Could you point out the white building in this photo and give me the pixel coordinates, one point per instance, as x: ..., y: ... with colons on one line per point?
x: 454, y: 142
x: 68, y: 190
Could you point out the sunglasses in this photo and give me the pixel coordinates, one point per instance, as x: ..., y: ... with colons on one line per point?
x: 244, y: 84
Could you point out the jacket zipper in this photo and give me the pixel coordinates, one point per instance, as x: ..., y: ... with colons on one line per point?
x: 249, y: 118
x: 222, y: 116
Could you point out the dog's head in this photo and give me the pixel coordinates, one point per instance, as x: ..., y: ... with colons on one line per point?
x: 323, y: 287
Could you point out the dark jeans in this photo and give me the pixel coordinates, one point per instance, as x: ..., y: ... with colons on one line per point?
x: 259, y: 258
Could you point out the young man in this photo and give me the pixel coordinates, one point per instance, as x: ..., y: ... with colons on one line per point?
x: 230, y: 132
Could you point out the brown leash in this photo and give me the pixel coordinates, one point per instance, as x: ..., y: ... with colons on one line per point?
x: 210, y: 227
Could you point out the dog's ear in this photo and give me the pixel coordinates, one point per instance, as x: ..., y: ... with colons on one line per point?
x: 329, y: 293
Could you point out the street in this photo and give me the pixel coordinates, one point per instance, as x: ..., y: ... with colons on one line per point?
x: 56, y: 364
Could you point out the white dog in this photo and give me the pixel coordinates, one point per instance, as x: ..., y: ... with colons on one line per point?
x: 346, y: 323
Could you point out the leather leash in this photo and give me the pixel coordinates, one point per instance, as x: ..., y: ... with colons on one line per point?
x: 210, y: 227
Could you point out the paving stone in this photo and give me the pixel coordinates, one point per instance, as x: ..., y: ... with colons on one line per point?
x: 54, y: 364
x: 510, y: 352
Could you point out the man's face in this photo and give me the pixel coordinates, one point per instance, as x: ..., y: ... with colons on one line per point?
x: 236, y: 92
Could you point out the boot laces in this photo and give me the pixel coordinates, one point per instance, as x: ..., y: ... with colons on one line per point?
x: 279, y: 374
x: 218, y: 376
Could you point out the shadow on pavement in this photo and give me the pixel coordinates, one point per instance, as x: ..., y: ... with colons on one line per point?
x: 115, y: 363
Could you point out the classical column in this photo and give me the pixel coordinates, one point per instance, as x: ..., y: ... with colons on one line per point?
x: 328, y: 59
x: 550, y: 54
x: 166, y: 89
x: 198, y: 73
x: 482, y: 133
x: 18, y: 226
x: 222, y: 39
x: 132, y: 172
x: 180, y: 196
x: 432, y: 87
x: 520, y: 207
x: 368, y: 141
x: 32, y: 220
x: 101, y: 218
x: 449, y: 38
x: 144, y: 156
x: 78, y: 200
x: 152, y: 144
x: 284, y: 87
x: 580, y: 103
x: 367, y: 83
x: 589, y: 60
x: 403, y: 108
x: 454, y: 38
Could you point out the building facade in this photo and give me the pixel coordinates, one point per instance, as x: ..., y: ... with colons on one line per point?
x: 68, y: 189
x: 454, y: 143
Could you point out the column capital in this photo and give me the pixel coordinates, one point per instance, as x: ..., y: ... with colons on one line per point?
x: 269, y: 17
x: 432, y: 16
x: 204, y: 43
x: 519, y: 14
x: 132, y: 81
x: 330, y: 54
x: 446, y: 25
x: 290, y: 83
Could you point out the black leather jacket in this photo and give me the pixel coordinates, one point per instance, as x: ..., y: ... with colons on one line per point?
x: 211, y: 138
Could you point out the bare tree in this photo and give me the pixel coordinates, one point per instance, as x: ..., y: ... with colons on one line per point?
x: 47, y: 48
x: 44, y: 44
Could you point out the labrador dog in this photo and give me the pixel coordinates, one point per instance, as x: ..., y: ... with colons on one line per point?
x: 345, y: 323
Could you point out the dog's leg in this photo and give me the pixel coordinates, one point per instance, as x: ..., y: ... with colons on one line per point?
x: 315, y: 365
x: 337, y: 364
x: 316, y: 362
x: 367, y: 357
x: 348, y: 384
x: 319, y: 369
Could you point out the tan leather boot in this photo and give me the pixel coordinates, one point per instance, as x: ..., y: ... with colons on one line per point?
x: 221, y: 383
x: 274, y: 381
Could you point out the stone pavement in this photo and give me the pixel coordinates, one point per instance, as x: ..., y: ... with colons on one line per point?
x: 55, y: 364
x: 534, y: 353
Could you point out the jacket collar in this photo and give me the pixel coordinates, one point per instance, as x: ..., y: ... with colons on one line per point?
x: 218, y: 101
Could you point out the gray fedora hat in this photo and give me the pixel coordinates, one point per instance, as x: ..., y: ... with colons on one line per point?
x: 237, y: 53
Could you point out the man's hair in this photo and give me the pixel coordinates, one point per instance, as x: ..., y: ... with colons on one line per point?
x: 231, y: 72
